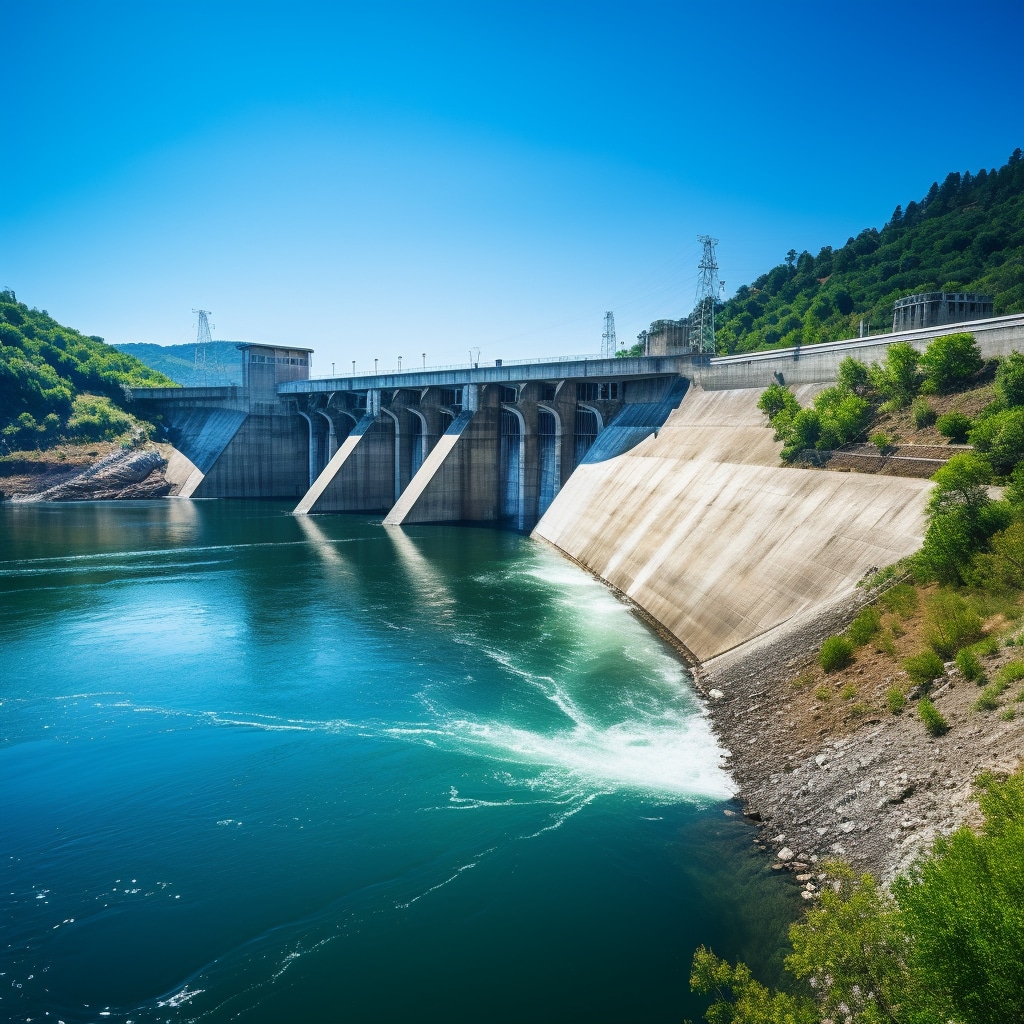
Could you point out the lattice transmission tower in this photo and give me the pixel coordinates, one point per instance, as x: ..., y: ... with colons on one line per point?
x: 608, y: 348
x: 203, y: 340
x: 709, y: 288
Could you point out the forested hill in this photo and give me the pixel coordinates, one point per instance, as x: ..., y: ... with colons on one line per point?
x: 966, y: 234
x: 56, y: 382
x: 222, y: 362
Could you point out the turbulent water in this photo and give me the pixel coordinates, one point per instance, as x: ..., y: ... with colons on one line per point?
x: 271, y: 768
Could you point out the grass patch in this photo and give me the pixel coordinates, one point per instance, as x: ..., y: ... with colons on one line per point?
x: 985, y: 648
x: 932, y: 717
x: 1011, y: 672
x: 836, y: 653
x: 884, y: 643
x: 848, y: 692
x: 865, y: 626
x: 823, y: 693
x: 802, y: 681
x: 923, y: 668
x: 901, y: 600
x: 896, y: 699
x: 859, y: 710
x: 1008, y: 715
x: 970, y: 665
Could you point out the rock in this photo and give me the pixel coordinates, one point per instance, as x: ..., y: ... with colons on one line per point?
x: 786, y: 854
x: 715, y: 694
x: 129, y: 473
x: 847, y: 826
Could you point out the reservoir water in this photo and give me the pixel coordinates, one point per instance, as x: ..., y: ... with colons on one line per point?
x: 270, y: 768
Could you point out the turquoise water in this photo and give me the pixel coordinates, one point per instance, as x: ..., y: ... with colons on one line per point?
x: 266, y: 768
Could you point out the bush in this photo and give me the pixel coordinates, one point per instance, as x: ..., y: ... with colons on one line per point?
x: 896, y: 380
x: 923, y: 668
x: 1009, y: 383
x: 1001, y: 438
x: 1011, y: 672
x: 955, y: 426
x: 989, y: 698
x: 883, y: 441
x: 969, y: 665
x: 932, y: 717
x: 896, y: 699
x: 823, y: 693
x: 924, y: 415
x: 949, y: 363
x: 952, y: 623
x: 865, y: 626
x: 96, y: 418
x: 848, y: 692
x: 836, y: 653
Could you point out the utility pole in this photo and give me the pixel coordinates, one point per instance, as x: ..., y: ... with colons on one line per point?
x: 702, y: 320
x: 199, y: 370
x: 609, y: 346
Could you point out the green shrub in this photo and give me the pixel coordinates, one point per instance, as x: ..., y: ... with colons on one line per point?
x: 932, y: 717
x: 859, y: 709
x: 1008, y: 715
x: 924, y: 415
x: 883, y: 441
x: 896, y: 699
x: 1011, y: 672
x: 985, y: 648
x: 836, y: 653
x: 823, y: 693
x: 848, y: 692
x: 923, y: 668
x: 865, y: 626
x: 900, y: 600
x: 96, y: 418
x: 968, y: 663
x: 951, y: 623
x: 955, y: 426
x: 949, y: 363
x: 884, y: 643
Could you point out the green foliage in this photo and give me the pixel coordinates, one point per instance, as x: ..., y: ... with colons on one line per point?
x: 951, y: 623
x: 955, y: 426
x: 882, y: 441
x: 962, y: 519
x: 44, y: 366
x: 897, y: 379
x: 1001, y: 438
x: 836, y: 653
x: 779, y: 404
x: 924, y: 667
x: 838, y: 417
x: 900, y: 600
x: 865, y: 626
x: 740, y: 999
x: 848, y: 692
x: 854, y: 376
x: 823, y: 693
x: 1011, y: 672
x: 1002, y: 567
x: 942, y: 948
x: 963, y: 911
x: 96, y: 418
x: 969, y: 664
x: 1009, y: 382
x: 970, y: 232
x: 949, y: 363
x: 932, y: 717
x: 896, y: 699
x: 632, y: 351
x: 989, y: 698
x: 924, y: 415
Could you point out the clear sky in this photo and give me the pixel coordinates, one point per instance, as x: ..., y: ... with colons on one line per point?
x: 384, y: 178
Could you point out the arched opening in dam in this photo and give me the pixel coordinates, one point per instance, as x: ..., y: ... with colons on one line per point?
x: 510, y: 465
x: 547, y: 458
x: 417, y: 442
x: 588, y: 426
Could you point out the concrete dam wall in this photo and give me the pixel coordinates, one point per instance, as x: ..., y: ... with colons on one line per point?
x: 700, y: 526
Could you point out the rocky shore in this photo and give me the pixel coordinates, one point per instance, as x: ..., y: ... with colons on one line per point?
x: 114, y: 474
x: 825, y: 779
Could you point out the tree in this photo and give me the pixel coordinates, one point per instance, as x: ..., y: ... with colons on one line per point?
x: 961, y: 519
x: 897, y: 379
x: 1001, y: 438
x: 949, y: 363
x: 1009, y: 382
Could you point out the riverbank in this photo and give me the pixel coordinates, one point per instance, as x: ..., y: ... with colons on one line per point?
x: 97, y: 471
x: 826, y: 767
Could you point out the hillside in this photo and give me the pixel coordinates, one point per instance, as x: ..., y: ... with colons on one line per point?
x: 966, y: 234
x: 223, y: 362
x: 58, y: 383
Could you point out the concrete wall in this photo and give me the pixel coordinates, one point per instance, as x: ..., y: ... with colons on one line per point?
x: 816, y: 363
x: 703, y: 529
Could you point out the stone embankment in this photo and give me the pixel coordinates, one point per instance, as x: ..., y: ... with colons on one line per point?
x: 875, y: 791
x: 120, y: 474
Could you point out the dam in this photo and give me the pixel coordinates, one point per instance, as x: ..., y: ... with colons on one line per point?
x: 655, y: 473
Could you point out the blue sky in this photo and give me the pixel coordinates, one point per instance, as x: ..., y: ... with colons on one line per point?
x: 381, y: 179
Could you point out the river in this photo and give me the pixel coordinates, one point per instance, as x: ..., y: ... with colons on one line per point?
x: 271, y: 768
